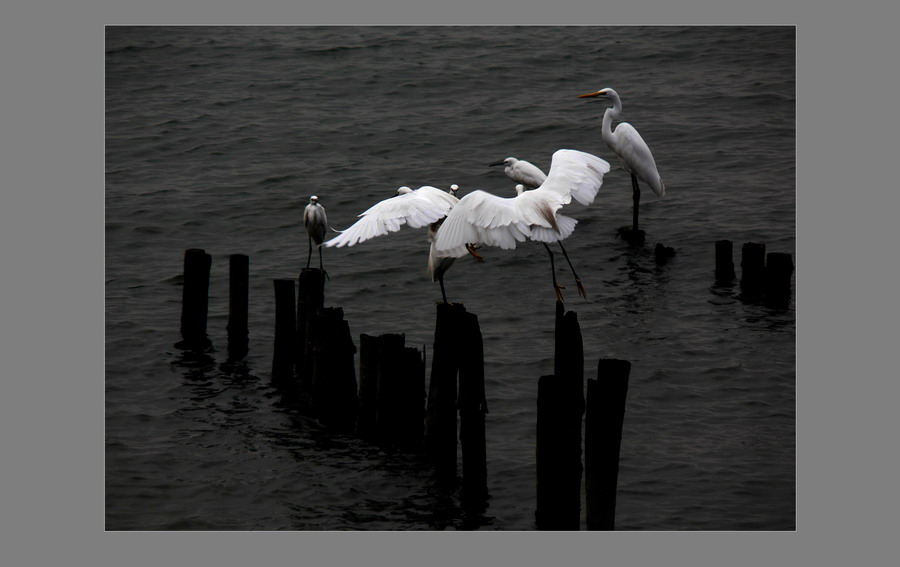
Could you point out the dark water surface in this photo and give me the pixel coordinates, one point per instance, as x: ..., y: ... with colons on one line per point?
x: 217, y: 136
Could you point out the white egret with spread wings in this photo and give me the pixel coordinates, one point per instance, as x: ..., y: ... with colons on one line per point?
x: 426, y: 206
x: 483, y: 218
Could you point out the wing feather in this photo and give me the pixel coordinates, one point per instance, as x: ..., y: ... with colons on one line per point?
x: 575, y: 174
x: 416, y: 209
x: 481, y: 218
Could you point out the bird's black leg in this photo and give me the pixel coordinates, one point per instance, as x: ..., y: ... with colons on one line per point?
x: 581, y: 290
x: 309, y: 256
x: 443, y: 293
x: 636, y: 196
x: 556, y: 287
x: 321, y: 266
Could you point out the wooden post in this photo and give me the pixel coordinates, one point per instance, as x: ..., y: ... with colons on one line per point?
x: 440, y: 419
x: 333, y: 379
x: 411, y: 402
x: 283, y: 357
x: 195, y: 297
x: 602, y: 441
x: 560, y: 409
x: 368, y: 385
x: 390, y: 371
x: 779, y: 268
x: 724, y: 262
x: 472, y: 409
x: 753, y: 264
x: 238, y: 279
x: 310, y: 297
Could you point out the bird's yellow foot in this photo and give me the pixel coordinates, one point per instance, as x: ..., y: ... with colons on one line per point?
x: 472, y: 250
x: 558, y: 289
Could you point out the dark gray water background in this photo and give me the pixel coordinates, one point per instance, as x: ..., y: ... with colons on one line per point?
x: 216, y: 137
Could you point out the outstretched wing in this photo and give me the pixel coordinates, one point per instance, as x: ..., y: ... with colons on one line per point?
x: 575, y: 174
x: 483, y: 218
x: 418, y: 208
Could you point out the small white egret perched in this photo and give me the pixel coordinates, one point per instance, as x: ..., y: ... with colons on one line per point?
x: 522, y: 172
x: 316, y: 224
x: 487, y: 219
x: 426, y: 206
x: 631, y: 149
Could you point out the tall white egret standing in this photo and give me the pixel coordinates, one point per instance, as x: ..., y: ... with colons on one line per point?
x: 483, y: 218
x: 522, y: 171
x: 316, y: 224
x: 631, y: 149
x: 426, y: 206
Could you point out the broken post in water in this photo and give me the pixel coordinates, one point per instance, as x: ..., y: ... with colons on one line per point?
x: 333, y: 380
x: 368, y: 385
x: 238, y: 279
x: 472, y: 409
x: 440, y: 419
x: 724, y: 261
x: 560, y: 410
x: 604, y: 417
x: 753, y: 265
x: 390, y: 369
x: 283, y: 355
x: 779, y: 268
x: 195, y: 297
x: 310, y: 297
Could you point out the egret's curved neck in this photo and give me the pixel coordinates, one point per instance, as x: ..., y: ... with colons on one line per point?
x: 611, y: 114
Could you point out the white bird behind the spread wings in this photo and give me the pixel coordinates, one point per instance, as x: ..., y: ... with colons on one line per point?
x: 487, y: 219
x: 522, y: 171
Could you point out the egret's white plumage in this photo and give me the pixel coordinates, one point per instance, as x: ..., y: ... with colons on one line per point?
x: 316, y: 224
x: 426, y: 206
x: 631, y: 148
x: 522, y: 171
x: 483, y: 218
x: 416, y: 209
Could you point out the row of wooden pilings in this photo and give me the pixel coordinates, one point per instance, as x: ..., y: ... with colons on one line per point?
x: 314, y: 354
x: 762, y: 275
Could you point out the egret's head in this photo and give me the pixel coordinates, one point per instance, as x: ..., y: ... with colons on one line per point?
x: 520, y: 189
x: 404, y: 190
x: 602, y: 93
x: 507, y: 161
x: 453, y: 189
x: 313, y: 200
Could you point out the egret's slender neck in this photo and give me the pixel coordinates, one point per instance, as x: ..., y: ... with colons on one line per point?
x: 611, y: 114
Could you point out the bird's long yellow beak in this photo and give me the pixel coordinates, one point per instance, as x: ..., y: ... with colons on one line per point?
x: 587, y: 95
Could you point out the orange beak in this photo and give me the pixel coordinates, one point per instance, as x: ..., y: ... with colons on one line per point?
x: 587, y: 95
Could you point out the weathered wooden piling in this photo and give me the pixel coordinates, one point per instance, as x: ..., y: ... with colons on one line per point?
x: 238, y: 280
x: 753, y: 265
x: 283, y: 356
x: 779, y: 268
x: 411, y: 402
x: 560, y: 410
x: 195, y: 296
x: 604, y: 417
x: 310, y: 297
x: 388, y: 392
x: 472, y: 408
x: 368, y: 385
x: 724, y: 261
x: 440, y: 419
x: 333, y: 379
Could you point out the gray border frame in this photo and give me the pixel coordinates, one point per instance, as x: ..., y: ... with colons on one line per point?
x: 53, y: 301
